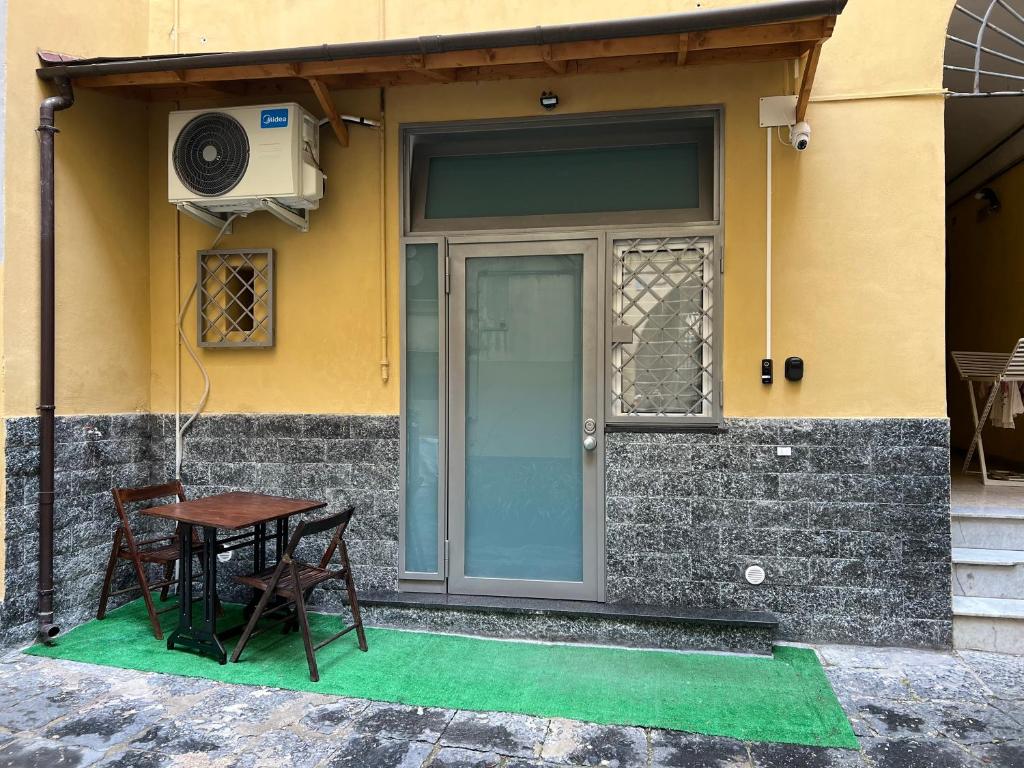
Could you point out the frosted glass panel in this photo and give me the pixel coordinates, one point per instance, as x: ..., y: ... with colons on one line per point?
x: 524, y: 489
x: 643, y: 178
x: 421, y: 408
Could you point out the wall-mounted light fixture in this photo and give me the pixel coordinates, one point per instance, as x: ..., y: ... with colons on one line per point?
x: 548, y: 100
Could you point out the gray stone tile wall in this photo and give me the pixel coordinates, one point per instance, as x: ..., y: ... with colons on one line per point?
x: 93, y: 455
x: 852, y: 528
x: 342, y: 459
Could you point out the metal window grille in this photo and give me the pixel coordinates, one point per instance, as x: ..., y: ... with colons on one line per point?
x: 663, y: 327
x: 236, y: 298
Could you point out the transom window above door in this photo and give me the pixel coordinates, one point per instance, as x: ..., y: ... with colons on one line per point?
x: 588, y: 171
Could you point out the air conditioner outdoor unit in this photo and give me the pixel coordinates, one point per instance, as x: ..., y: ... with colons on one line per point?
x: 244, y: 159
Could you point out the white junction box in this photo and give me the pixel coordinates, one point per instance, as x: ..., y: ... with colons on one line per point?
x: 228, y: 160
x: 777, y: 111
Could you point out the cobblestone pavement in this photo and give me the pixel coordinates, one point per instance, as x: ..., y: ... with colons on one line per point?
x: 910, y: 709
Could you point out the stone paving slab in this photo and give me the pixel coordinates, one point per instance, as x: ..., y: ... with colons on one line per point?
x: 795, y: 756
x: 43, y: 753
x: 105, y: 724
x: 919, y: 753
x: 672, y: 749
x: 1003, y: 675
x: 570, y: 742
x: 335, y: 715
x: 397, y: 721
x: 361, y: 750
x: 133, y: 758
x: 910, y: 709
x: 456, y: 757
x: 506, y: 734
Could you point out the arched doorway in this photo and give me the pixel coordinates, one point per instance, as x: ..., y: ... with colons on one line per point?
x: 984, y: 74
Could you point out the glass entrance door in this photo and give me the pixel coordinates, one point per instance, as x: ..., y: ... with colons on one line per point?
x: 523, y: 461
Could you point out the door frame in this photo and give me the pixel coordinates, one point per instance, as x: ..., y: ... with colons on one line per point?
x: 591, y: 249
x: 553, y: 228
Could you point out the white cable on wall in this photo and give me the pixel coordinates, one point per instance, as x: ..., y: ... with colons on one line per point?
x: 768, y: 257
x: 180, y: 430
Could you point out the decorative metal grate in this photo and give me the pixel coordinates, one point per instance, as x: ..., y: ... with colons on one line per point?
x: 663, y: 327
x: 985, y: 53
x: 236, y: 298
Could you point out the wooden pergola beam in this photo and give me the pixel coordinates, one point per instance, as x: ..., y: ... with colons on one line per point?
x: 811, y: 69
x: 558, y: 66
x: 556, y: 57
x: 684, y: 50
x: 327, y: 105
x: 807, y: 81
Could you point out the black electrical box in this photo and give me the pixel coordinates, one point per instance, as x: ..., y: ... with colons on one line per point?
x: 794, y: 368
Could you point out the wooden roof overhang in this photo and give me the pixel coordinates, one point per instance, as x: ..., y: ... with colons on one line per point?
x: 780, y: 30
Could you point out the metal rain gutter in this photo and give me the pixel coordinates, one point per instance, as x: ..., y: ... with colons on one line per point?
x: 676, y: 23
x: 47, y: 306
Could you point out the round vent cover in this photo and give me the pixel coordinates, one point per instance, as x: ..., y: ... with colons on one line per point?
x: 754, y: 575
x: 211, y: 154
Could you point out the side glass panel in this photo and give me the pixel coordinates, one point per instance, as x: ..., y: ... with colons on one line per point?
x: 524, y: 352
x: 421, y: 407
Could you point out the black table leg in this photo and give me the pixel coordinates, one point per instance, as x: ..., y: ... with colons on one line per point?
x: 184, y: 586
x: 280, y: 542
x: 259, y: 562
x: 202, y: 638
x: 282, y: 537
x: 259, y: 553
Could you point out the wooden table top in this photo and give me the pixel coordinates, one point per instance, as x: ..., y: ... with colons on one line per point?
x: 234, y: 511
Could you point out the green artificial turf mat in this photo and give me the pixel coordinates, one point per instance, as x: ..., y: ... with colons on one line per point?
x: 783, y: 698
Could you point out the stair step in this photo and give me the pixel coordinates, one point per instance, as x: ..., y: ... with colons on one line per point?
x: 997, y: 557
x: 991, y: 529
x: 988, y: 607
x: 997, y: 513
x: 645, y: 626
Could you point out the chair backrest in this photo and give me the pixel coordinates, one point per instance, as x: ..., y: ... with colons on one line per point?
x: 125, y: 496
x: 338, y: 522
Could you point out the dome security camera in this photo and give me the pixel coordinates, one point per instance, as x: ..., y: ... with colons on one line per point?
x: 800, y: 136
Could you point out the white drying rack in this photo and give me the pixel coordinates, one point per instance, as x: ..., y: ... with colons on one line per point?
x: 993, y: 368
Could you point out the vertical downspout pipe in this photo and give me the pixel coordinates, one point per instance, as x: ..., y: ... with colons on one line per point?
x: 47, y: 304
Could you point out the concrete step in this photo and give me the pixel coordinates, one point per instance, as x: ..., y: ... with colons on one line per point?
x: 974, y: 556
x: 641, y: 626
x: 995, y: 573
x: 987, y: 528
x: 988, y: 624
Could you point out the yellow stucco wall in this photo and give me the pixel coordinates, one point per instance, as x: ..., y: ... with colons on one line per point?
x: 101, y: 183
x: 858, y: 221
x: 985, y: 311
x: 102, y: 318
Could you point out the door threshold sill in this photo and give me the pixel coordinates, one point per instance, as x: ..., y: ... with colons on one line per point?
x: 578, y: 608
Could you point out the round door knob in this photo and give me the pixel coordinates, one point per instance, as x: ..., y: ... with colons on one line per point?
x: 590, y: 442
